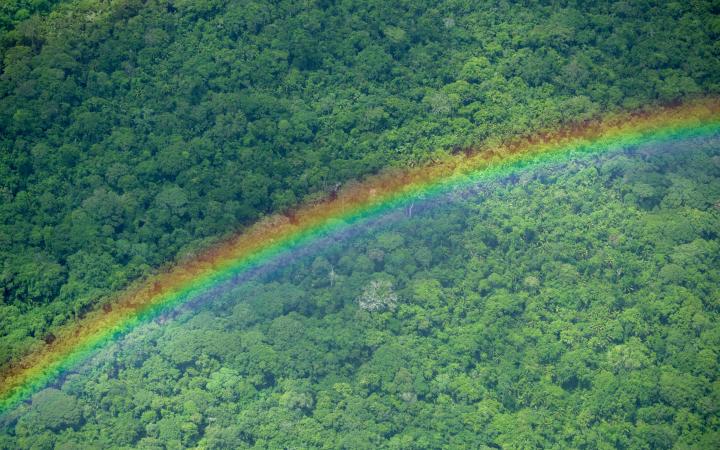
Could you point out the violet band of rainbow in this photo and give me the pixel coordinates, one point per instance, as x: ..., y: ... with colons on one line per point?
x: 281, y: 235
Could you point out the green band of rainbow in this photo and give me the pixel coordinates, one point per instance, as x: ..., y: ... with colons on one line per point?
x: 282, y: 234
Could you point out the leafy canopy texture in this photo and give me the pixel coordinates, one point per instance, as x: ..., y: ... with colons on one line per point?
x: 558, y: 309
x: 574, y: 307
x: 134, y: 132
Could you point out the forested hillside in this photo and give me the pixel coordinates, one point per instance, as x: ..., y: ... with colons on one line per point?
x: 132, y: 131
x: 572, y: 306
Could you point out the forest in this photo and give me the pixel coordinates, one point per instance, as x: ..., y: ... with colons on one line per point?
x: 571, y: 306
x: 134, y: 132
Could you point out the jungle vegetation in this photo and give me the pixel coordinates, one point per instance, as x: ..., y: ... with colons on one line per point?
x: 134, y: 132
x: 571, y: 306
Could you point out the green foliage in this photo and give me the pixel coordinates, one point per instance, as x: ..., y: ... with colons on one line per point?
x: 51, y: 409
x: 548, y: 311
x: 20, y: 12
x: 134, y: 132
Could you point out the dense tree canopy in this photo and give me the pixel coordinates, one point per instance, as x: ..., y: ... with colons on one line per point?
x: 133, y: 131
x: 22, y: 12
x: 559, y: 308
x: 574, y: 307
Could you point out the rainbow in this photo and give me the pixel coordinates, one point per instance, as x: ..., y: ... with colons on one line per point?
x: 280, y: 235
